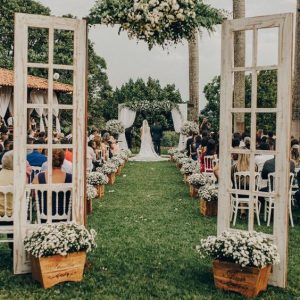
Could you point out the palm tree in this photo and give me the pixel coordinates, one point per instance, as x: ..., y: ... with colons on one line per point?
x: 296, y: 89
x: 239, y: 10
x: 193, y: 105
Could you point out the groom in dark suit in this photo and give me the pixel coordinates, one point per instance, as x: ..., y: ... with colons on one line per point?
x: 157, y: 133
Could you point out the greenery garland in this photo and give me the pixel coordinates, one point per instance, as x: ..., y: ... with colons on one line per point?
x: 151, y: 106
x: 157, y: 22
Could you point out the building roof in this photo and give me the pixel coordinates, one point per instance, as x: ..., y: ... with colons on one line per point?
x: 33, y: 82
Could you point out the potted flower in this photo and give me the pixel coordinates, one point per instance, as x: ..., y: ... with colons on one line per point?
x: 188, y: 168
x: 208, y: 200
x: 91, y: 193
x: 178, y: 158
x: 118, y: 162
x: 98, y: 180
x: 242, y: 260
x: 196, y: 180
x: 189, y: 128
x: 172, y: 152
x: 110, y: 170
x: 58, y: 252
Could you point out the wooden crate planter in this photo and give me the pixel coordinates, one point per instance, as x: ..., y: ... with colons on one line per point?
x: 111, y: 178
x: 186, y: 178
x: 179, y: 166
x: 193, y: 191
x: 52, y: 270
x: 89, y: 206
x: 248, y: 281
x: 101, y: 190
x: 119, y: 171
x: 208, y: 208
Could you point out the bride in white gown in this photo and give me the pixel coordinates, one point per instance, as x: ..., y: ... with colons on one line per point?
x: 147, y: 152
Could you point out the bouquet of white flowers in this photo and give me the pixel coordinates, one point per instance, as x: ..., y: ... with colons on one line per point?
x: 114, y: 127
x: 189, y: 127
x: 209, y: 192
x: 91, y: 192
x: 185, y: 160
x: 97, y: 178
x: 59, y: 239
x: 198, y: 180
x: 107, y: 168
x: 247, y: 248
x: 179, y: 156
x: 189, y: 168
x: 117, y: 161
x: 173, y: 151
x: 123, y: 154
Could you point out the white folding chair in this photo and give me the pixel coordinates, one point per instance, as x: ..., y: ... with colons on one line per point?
x: 241, y: 201
x: 7, y: 217
x: 34, y: 172
x: 61, y: 199
x: 269, y: 201
x: 209, y: 163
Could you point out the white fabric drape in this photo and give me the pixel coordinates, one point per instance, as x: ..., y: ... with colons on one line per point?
x: 55, y: 112
x: 127, y: 117
x: 179, y: 117
x: 37, y: 97
x: 5, y: 99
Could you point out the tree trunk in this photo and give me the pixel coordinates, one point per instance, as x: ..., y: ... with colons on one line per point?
x: 239, y: 61
x: 193, y: 105
x: 296, y: 86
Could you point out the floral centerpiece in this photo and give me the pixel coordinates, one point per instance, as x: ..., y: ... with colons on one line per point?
x: 172, y: 153
x: 242, y: 260
x: 58, y: 252
x: 115, y: 127
x: 188, y: 168
x: 208, y: 203
x: 157, y: 22
x: 189, y: 127
x: 110, y: 169
x: 98, y: 180
x: 91, y: 192
x: 124, y: 154
x: 196, y: 180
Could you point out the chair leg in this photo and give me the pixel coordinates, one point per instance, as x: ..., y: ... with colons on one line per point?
x: 236, y: 209
x: 257, y: 213
x: 290, y: 211
x: 269, y: 213
x: 265, y: 210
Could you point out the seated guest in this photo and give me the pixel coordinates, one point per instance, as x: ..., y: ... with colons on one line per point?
x: 58, y: 176
x: 209, y: 151
x: 36, y: 158
x: 7, y: 178
x: 8, y: 146
x: 295, y: 155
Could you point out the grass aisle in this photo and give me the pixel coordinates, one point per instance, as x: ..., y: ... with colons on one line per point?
x: 147, y: 227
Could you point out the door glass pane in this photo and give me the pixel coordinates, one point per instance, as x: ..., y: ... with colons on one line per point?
x: 267, y: 83
x: 38, y: 45
x: 243, y: 41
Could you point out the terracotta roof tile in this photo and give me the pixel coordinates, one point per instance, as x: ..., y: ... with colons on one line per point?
x: 34, y: 82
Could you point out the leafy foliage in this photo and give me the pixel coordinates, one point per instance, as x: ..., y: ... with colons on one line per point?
x: 137, y: 91
x: 266, y: 98
x: 157, y: 22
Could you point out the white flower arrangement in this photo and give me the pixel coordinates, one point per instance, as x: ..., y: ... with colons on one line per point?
x: 59, y: 239
x: 198, y: 180
x: 117, y: 161
x: 189, y: 127
x: 179, y: 156
x: 245, y: 248
x: 114, y: 127
x: 185, y: 160
x: 151, y: 106
x: 189, y: 168
x: 209, y: 192
x: 91, y: 192
x: 173, y: 151
x: 97, y: 178
x: 107, y: 168
x: 123, y: 154
x: 157, y: 22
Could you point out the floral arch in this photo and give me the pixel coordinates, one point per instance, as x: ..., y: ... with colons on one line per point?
x: 127, y: 114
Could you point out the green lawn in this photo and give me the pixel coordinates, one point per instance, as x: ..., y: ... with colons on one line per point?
x: 148, y: 228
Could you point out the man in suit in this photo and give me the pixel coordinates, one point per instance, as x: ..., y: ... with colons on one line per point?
x: 128, y: 136
x: 157, y: 133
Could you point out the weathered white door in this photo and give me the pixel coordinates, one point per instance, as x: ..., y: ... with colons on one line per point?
x: 53, y: 49
x: 268, y: 64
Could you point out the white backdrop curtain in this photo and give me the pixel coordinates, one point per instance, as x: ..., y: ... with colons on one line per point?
x: 55, y: 111
x: 179, y: 117
x: 5, y: 99
x: 37, y: 97
x: 127, y: 117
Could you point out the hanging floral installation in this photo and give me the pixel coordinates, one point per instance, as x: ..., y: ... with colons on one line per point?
x: 157, y: 22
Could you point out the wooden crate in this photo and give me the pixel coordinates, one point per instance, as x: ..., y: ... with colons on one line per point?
x: 186, y: 178
x: 208, y: 208
x: 52, y: 270
x: 111, y: 178
x: 193, y: 192
x: 101, y: 190
x: 119, y: 171
x: 248, y: 281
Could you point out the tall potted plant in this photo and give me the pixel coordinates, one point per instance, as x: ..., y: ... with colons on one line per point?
x: 242, y: 260
x: 58, y: 252
x: 208, y: 202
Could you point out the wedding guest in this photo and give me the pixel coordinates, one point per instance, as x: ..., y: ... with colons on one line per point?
x: 128, y: 136
x: 209, y: 151
x: 58, y: 176
x: 33, y: 124
x: 189, y: 143
x: 295, y: 155
x: 36, y: 158
x: 157, y: 134
x: 8, y: 146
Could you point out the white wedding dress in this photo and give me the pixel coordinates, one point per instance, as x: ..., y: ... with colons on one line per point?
x: 147, y: 152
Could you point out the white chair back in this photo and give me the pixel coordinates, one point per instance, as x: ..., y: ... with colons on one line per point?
x: 272, y: 181
x: 61, y: 203
x: 209, y: 163
x: 242, y: 180
x: 6, y: 192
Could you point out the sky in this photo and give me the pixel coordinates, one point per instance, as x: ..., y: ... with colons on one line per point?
x: 128, y: 59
